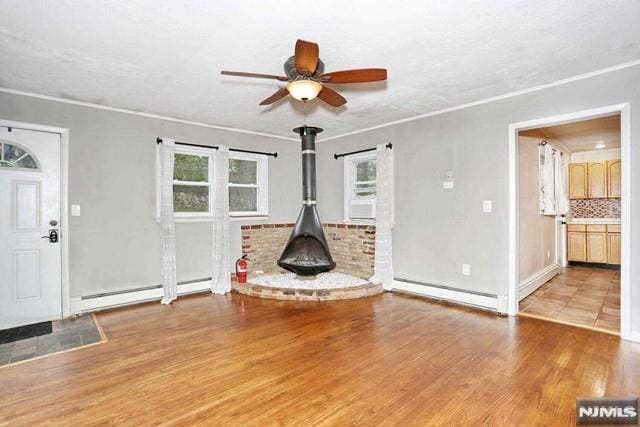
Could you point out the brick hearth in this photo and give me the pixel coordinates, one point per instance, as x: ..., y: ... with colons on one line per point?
x: 352, y: 246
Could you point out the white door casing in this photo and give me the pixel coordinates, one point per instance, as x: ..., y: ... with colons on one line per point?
x: 627, y: 310
x: 30, y: 266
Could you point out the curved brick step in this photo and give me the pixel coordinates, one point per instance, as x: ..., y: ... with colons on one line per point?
x: 307, y: 294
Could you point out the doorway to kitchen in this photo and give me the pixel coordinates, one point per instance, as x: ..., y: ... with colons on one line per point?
x: 571, y: 209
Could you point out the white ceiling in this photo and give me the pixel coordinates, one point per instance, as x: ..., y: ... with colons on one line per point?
x: 163, y: 56
x: 586, y: 134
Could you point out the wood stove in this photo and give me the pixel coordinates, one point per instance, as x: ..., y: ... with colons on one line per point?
x: 307, y: 252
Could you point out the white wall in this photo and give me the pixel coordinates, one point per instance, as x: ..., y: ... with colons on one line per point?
x: 437, y: 230
x: 596, y: 155
x: 114, y: 244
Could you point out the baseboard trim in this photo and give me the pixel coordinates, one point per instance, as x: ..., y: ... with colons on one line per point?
x: 111, y: 300
x: 484, y: 301
x: 533, y: 282
x: 633, y: 336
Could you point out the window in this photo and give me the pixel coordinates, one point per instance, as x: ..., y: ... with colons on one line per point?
x: 248, y: 193
x: 360, y: 186
x: 192, y: 183
x: 12, y: 156
x: 550, y: 180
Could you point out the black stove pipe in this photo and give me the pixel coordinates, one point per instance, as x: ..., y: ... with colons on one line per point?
x: 308, y: 139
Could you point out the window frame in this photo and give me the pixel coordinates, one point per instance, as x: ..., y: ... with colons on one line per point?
x: 27, y: 153
x: 200, y: 152
x: 262, y: 175
x: 350, y: 171
x: 261, y: 185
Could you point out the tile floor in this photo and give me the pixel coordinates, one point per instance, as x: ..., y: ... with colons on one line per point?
x: 66, y: 334
x: 580, y: 295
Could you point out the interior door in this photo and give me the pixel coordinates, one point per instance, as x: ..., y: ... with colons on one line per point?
x: 30, y: 254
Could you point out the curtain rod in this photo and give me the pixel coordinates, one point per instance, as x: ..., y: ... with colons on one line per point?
x: 337, y: 156
x: 215, y: 147
x: 545, y: 142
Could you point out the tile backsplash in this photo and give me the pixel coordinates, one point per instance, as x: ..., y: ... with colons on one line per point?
x: 595, y: 208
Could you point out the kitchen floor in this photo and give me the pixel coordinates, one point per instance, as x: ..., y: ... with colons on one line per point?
x: 584, y: 296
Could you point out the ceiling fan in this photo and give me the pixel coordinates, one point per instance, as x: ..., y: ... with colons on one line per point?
x: 307, y: 80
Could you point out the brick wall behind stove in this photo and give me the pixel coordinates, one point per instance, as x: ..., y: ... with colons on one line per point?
x: 596, y: 208
x: 352, y: 246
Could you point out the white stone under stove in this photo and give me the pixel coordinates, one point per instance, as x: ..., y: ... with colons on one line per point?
x: 331, y: 280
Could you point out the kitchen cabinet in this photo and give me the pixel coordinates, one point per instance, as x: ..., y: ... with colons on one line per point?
x: 614, y: 244
x: 614, y: 178
x: 596, y: 243
x: 578, y: 181
x: 577, y: 246
x: 597, y: 247
x: 597, y: 180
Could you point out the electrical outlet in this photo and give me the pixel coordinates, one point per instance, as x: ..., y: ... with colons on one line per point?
x: 487, y: 206
x: 75, y: 210
x: 548, y: 255
x: 466, y: 269
x: 448, y: 185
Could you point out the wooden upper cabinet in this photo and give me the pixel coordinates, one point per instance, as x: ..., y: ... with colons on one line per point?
x: 614, y: 178
x: 597, y: 180
x: 578, y: 181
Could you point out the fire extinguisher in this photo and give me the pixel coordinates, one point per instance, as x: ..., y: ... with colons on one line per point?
x: 241, y: 269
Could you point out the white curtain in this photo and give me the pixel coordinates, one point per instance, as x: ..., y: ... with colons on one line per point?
x: 562, y: 203
x: 167, y: 224
x: 221, y: 266
x: 383, y: 267
x: 547, y: 180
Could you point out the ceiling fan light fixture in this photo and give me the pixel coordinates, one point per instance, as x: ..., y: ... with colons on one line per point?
x: 304, y: 89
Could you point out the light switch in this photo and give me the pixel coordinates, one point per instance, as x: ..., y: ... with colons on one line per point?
x: 487, y: 206
x: 75, y: 210
x: 448, y: 176
x: 466, y: 269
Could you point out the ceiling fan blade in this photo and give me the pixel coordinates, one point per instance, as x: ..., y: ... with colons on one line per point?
x: 281, y: 93
x: 306, y: 57
x: 355, y: 76
x: 254, y: 75
x: 331, y: 97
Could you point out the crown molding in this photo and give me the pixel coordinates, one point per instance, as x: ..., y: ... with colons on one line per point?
x: 142, y: 114
x: 575, y: 78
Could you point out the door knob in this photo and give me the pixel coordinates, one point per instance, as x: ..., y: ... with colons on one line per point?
x: 52, y: 236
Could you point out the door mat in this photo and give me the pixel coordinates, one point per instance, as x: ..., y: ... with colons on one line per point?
x: 24, y: 332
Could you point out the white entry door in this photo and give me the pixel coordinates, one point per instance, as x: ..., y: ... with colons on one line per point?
x: 30, y: 265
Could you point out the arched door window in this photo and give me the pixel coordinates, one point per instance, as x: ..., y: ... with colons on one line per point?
x: 15, y: 157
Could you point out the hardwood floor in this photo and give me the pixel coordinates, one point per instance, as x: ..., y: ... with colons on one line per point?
x: 583, y: 296
x: 390, y: 359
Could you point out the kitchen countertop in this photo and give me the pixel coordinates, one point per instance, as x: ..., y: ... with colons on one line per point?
x: 594, y: 221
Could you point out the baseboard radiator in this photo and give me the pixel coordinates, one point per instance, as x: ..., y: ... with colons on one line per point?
x: 88, y: 303
x: 485, y: 301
